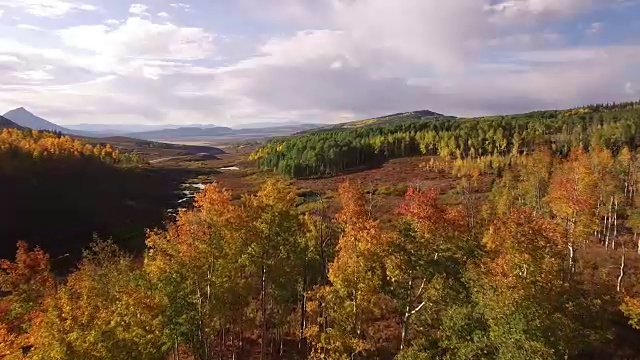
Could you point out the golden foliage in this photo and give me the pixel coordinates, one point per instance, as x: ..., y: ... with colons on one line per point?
x: 44, y: 144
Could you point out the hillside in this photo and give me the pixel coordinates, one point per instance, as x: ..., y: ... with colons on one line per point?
x: 369, y: 143
x: 8, y: 124
x: 386, y: 120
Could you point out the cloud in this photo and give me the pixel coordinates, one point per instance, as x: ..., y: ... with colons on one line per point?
x: 35, y: 76
x: 432, y: 33
x: 138, y: 9
x: 526, y: 40
x: 1, y: 13
x: 185, y: 7
x: 29, y: 27
x: 140, y: 38
x: 595, y: 28
x: 311, y: 85
x: 163, y: 15
x: 47, y: 8
x: 9, y: 60
x: 527, y: 8
x: 321, y: 61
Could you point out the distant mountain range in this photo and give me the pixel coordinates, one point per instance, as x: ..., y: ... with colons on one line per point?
x: 177, y: 133
x: 202, y: 133
x: 25, y: 118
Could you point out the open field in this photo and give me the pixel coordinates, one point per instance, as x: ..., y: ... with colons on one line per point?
x: 387, y: 183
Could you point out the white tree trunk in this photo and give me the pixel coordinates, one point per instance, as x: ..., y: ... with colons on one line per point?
x: 408, y: 313
x: 615, y: 226
x: 621, y: 269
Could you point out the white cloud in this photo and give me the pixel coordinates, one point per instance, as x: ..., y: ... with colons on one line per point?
x: 9, y: 59
x: 419, y: 31
x: 163, y: 15
x: 519, y: 8
x: 112, y: 22
x: 138, y: 9
x: 630, y: 89
x: 140, y: 38
x: 34, y: 75
x: 1, y: 13
x: 185, y: 7
x: 595, y: 28
x: 526, y: 40
x: 47, y: 8
x: 29, y: 27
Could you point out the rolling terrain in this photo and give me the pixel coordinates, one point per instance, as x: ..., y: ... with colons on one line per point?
x: 153, y: 150
x: 386, y: 120
x: 452, y: 240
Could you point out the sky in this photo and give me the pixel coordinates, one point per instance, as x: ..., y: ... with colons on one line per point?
x: 231, y: 62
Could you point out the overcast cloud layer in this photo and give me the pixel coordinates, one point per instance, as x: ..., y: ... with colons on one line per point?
x: 230, y: 62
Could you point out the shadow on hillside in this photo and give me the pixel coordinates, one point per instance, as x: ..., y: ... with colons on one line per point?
x: 345, y: 172
x: 60, y: 207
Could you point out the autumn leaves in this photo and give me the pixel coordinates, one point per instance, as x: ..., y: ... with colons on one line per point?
x: 255, y: 278
x: 21, y: 147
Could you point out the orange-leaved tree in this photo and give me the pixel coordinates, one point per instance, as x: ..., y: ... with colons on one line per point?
x: 352, y: 317
x: 427, y: 267
x: 274, y: 257
x: 520, y: 290
x: 104, y: 311
x: 573, y: 201
x: 195, y: 267
x: 25, y: 284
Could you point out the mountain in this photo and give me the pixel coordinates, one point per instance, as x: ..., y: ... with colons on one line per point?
x: 121, y: 128
x: 182, y: 133
x: 393, y: 119
x: 23, y: 117
x: 143, y: 128
x: 8, y: 124
x: 278, y: 124
x: 219, y: 132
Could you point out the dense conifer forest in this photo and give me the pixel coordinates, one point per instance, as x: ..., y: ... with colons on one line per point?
x: 330, y: 152
x: 544, y: 266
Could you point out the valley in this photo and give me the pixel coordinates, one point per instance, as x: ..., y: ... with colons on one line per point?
x: 320, y: 180
x: 491, y: 221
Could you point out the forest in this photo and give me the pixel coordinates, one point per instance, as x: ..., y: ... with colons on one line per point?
x: 544, y: 267
x: 56, y: 191
x: 328, y: 153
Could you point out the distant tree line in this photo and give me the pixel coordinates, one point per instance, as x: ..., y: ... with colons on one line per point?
x: 18, y: 147
x: 55, y: 191
x: 611, y: 126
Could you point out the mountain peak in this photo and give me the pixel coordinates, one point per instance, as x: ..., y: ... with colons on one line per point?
x: 23, y: 117
x: 19, y: 110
